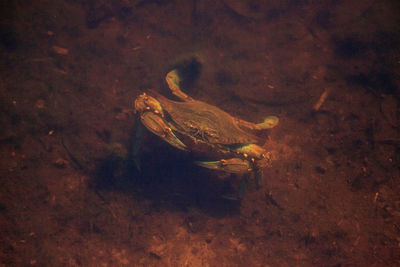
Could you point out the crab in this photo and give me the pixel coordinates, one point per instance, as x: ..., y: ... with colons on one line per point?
x: 193, y: 125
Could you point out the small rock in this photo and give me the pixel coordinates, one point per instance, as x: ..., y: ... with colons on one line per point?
x: 61, y: 163
x: 39, y: 104
x: 60, y: 50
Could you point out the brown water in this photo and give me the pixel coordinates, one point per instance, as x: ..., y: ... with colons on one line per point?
x: 70, y: 194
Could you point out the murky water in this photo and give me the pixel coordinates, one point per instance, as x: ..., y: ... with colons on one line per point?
x: 72, y: 195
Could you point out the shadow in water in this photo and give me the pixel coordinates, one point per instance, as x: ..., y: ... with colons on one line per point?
x: 168, y: 178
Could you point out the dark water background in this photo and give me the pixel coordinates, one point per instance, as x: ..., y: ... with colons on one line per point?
x: 70, y: 194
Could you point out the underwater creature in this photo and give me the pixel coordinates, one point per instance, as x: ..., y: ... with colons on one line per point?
x: 196, y: 126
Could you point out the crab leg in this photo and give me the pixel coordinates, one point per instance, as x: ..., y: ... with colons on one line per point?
x: 259, y: 176
x: 137, y: 144
x: 242, y: 188
x: 173, y: 81
x: 256, y: 154
x: 243, y: 185
x: 233, y: 165
x: 268, y: 123
x: 155, y: 124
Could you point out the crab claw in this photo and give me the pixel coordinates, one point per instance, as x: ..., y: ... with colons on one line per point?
x: 145, y: 102
x: 156, y: 125
x: 233, y: 165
